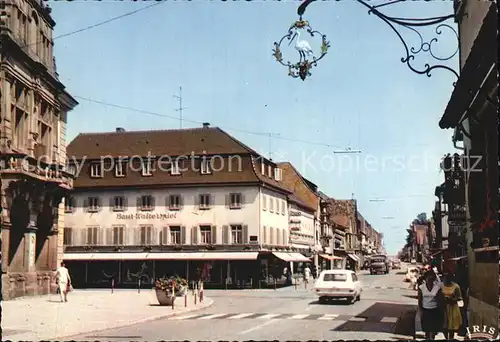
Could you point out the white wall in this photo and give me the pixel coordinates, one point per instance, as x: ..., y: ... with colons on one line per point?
x: 189, y: 216
x: 307, y: 227
x: 274, y: 218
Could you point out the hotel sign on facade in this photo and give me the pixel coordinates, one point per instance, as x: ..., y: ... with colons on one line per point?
x: 146, y: 216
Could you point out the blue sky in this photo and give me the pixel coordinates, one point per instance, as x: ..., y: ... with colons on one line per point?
x: 359, y: 96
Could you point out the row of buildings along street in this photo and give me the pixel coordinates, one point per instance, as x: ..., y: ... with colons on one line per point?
x: 129, y: 222
x: 462, y: 234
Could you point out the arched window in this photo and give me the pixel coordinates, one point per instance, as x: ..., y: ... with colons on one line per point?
x: 34, y: 33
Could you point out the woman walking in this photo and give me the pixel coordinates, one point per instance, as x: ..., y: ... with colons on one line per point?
x: 453, y: 317
x: 430, y: 301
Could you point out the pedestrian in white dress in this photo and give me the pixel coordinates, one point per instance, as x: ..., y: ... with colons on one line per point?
x: 64, y: 281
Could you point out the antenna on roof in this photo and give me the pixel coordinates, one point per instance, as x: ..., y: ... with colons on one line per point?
x: 180, y: 109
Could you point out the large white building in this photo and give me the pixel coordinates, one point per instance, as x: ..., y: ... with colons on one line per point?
x: 193, y: 202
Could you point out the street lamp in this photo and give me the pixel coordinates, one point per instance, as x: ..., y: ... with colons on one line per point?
x: 305, y: 64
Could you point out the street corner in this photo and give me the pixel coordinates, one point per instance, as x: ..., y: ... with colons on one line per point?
x: 181, y: 310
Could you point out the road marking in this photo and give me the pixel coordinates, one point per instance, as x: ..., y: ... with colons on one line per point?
x: 298, y: 317
x: 389, y: 320
x: 184, y: 317
x: 240, y: 316
x: 268, y: 316
x: 257, y: 327
x: 329, y: 317
x: 212, y: 316
x: 357, y: 319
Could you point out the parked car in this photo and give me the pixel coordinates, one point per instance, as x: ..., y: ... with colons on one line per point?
x: 338, y: 284
x: 379, y: 264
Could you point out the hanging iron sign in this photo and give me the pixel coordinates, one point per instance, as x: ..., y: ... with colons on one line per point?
x: 308, y: 58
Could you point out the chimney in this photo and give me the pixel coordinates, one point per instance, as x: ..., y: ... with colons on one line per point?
x: 206, y: 124
x: 120, y: 129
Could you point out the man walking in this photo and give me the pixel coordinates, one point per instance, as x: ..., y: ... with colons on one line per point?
x: 64, y: 281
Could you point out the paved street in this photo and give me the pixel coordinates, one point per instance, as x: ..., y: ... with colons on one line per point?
x: 283, y: 314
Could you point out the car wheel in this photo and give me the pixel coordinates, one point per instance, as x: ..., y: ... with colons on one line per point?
x: 359, y: 297
x: 352, y: 299
x: 322, y: 300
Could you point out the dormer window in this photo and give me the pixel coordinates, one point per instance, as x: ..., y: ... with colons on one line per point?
x: 146, y: 167
x: 263, y: 168
x: 205, y: 167
x: 269, y: 171
x: 96, y: 170
x: 119, y: 169
x: 277, y: 174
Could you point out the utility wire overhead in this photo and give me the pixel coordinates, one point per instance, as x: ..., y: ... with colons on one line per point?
x: 100, y: 23
x: 274, y: 135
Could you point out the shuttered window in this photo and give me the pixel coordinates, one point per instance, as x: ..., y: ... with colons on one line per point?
x: 92, y: 236
x: 175, y: 235
x: 236, y: 234
x: 68, y: 236
x: 118, y: 235
x: 206, y: 235
x: 93, y: 204
x: 146, y: 235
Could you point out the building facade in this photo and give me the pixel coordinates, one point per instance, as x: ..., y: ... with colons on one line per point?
x: 192, y: 202
x: 33, y: 114
x: 472, y: 112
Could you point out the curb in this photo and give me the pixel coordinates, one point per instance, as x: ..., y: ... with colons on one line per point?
x: 138, y: 321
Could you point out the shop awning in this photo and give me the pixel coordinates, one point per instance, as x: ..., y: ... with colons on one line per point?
x: 330, y: 257
x: 291, y: 257
x: 354, y: 257
x: 105, y: 256
x: 204, y: 256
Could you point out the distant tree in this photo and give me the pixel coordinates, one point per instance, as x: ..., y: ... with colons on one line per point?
x: 421, y: 219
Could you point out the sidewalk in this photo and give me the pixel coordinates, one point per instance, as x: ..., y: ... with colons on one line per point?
x: 46, y: 318
x: 421, y: 336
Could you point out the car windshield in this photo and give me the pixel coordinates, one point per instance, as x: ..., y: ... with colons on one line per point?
x: 335, y: 277
x: 378, y: 260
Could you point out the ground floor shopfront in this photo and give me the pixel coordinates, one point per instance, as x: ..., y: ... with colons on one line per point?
x: 216, y: 269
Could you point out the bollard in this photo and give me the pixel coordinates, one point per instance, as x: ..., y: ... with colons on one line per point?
x: 112, y: 285
x: 251, y: 283
x: 194, y: 297
x: 173, y: 296
x: 185, y: 300
x: 201, y: 292
x: 305, y: 284
x: 275, y: 283
x: 295, y: 283
x: 139, y: 286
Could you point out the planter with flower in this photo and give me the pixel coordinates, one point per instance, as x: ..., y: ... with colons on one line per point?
x: 167, y: 288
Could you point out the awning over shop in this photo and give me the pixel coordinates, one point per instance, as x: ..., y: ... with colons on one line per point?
x: 291, y: 257
x: 354, y: 257
x: 104, y: 256
x: 162, y: 256
x: 204, y: 256
x: 330, y: 257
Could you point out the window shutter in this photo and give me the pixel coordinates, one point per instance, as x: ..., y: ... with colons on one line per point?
x: 82, y: 236
x: 109, y: 236
x: 86, y: 204
x: 183, y: 235
x: 111, y: 203
x: 212, y: 200
x: 165, y: 239
x: 127, y: 236
x: 225, y: 235
x: 137, y: 235
x: 197, y: 200
x: 139, y: 203
x: 194, y: 235
x: 167, y: 201
x: 264, y: 235
x: 125, y: 202
x: 228, y: 200
x: 181, y: 201
x: 214, y: 235
x: 271, y: 236
x: 242, y: 199
x: 99, y: 203
x: 285, y: 242
x: 245, y: 234
x: 278, y: 237
x: 153, y: 202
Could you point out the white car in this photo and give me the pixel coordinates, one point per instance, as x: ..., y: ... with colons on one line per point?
x: 338, y: 284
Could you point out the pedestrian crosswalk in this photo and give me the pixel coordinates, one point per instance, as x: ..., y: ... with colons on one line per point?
x: 270, y: 316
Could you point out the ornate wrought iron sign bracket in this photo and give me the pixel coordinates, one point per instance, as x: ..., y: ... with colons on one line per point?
x: 412, y: 24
